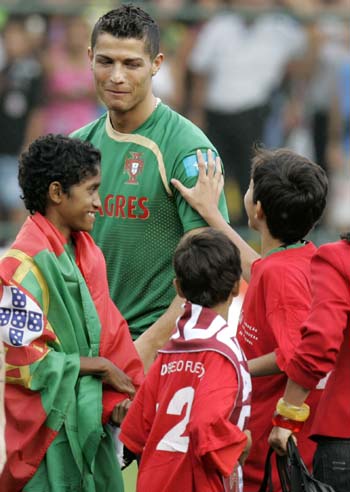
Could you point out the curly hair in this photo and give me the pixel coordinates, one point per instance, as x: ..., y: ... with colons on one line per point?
x: 54, y: 158
x: 292, y: 191
x: 207, y: 266
x: 129, y: 21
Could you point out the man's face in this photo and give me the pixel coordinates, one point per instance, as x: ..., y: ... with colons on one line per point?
x: 123, y: 72
x: 79, y: 206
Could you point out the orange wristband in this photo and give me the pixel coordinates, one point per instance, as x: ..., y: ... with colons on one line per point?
x: 285, y: 423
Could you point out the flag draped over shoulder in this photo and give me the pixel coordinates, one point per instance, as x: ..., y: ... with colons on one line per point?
x: 55, y: 308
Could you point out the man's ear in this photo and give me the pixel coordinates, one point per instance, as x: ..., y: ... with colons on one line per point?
x: 55, y: 192
x: 178, y: 288
x: 156, y: 63
x: 91, y: 55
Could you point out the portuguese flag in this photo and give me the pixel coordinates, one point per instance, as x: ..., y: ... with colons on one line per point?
x: 54, y: 308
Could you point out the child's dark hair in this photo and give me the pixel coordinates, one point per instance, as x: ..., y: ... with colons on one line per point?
x: 346, y: 236
x: 129, y: 21
x: 54, y: 158
x: 292, y: 191
x: 207, y: 266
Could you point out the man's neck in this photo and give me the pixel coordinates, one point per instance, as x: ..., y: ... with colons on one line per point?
x: 129, y: 121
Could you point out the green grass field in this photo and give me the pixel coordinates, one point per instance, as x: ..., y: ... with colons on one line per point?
x: 129, y: 476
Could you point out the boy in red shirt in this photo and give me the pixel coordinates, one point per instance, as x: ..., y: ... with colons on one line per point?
x: 286, y: 197
x: 323, y: 349
x: 188, y: 418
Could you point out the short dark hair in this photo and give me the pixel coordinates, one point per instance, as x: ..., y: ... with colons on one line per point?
x: 207, y: 266
x: 129, y: 21
x: 292, y: 191
x: 54, y: 158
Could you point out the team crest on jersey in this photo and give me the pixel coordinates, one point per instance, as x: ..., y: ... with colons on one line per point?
x: 133, y: 166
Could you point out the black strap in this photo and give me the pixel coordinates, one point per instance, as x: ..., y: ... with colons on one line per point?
x: 301, y: 480
x: 266, y: 484
x: 293, y: 473
x: 282, y: 466
x: 283, y: 472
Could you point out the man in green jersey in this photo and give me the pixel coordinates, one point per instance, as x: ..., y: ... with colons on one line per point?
x: 144, y: 144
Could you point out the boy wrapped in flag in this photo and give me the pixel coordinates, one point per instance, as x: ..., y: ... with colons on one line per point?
x: 71, y: 366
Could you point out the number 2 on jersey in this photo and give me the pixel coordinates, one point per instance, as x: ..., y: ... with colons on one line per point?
x: 173, y: 440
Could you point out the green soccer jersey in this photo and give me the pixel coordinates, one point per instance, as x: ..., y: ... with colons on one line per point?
x: 143, y: 217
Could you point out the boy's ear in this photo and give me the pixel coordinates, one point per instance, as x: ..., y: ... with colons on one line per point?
x: 259, y: 212
x: 235, y: 289
x: 178, y: 288
x: 55, y: 192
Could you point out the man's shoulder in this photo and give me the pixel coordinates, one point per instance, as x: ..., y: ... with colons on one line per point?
x: 87, y: 131
x: 182, y: 132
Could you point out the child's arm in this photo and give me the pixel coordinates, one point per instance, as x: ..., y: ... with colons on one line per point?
x: 247, y: 448
x: 204, y: 197
x: 264, y: 365
x: 137, y: 424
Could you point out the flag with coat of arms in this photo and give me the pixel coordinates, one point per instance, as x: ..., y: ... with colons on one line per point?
x: 55, y: 308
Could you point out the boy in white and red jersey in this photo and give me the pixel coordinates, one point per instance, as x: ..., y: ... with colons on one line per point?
x: 286, y: 197
x: 188, y: 419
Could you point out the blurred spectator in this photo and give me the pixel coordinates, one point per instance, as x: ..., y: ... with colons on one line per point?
x: 338, y: 150
x: 20, y: 113
x: 70, y: 94
x: 308, y: 113
x: 237, y: 62
x: 165, y: 80
x: 201, y: 10
x: 332, y: 50
x: 178, y: 32
x: 316, y: 117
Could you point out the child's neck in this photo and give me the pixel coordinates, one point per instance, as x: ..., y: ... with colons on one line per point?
x: 268, y: 243
x: 222, y: 309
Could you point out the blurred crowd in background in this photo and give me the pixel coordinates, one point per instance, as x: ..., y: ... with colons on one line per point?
x: 276, y: 72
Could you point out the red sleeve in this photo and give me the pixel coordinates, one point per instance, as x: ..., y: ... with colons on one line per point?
x: 225, y: 459
x: 216, y: 439
x: 290, y: 306
x: 323, y: 331
x: 286, y: 323
x: 138, y: 422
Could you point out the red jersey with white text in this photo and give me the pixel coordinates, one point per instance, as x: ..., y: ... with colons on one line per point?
x: 187, y: 418
x: 276, y: 303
